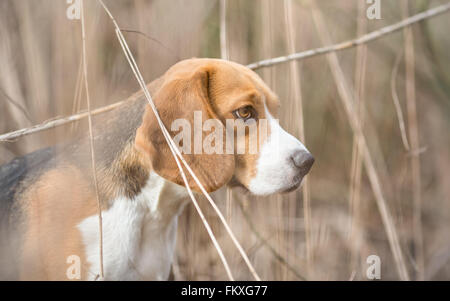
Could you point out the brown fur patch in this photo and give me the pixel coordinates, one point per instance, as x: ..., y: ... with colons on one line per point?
x: 52, y: 210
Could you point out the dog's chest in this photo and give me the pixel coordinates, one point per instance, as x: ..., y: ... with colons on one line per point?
x: 139, y: 234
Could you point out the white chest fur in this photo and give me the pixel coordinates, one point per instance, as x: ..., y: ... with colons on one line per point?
x: 139, y: 234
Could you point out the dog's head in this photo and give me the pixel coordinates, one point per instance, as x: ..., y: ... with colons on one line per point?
x: 223, y: 118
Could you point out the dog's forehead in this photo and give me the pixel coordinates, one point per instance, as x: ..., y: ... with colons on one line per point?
x: 231, y: 79
x: 235, y: 77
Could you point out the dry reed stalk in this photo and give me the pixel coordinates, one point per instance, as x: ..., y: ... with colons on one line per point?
x: 229, y: 204
x: 413, y: 129
x: 141, y: 22
x: 53, y: 123
x: 17, y: 105
x: 374, y: 35
x: 14, y: 84
x: 398, y: 107
x: 269, y: 75
x: 223, y: 30
x: 356, y: 167
x: 76, y: 104
x: 346, y: 97
x: 34, y: 58
x: 91, y: 143
x: 224, y: 56
x: 267, y: 43
x: 178, y: 157
x: 298, y: 105
x: 282, y: 240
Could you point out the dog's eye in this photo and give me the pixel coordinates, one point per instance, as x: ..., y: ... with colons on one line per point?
x: 245, y: 113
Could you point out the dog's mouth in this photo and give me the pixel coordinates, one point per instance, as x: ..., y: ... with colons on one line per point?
x: 296, y: 183
x: 295, y: 186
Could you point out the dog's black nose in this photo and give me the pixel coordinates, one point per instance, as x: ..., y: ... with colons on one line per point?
x: 303, y: 160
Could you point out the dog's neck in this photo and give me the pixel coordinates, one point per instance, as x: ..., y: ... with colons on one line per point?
x: 164, y: 200
x: 130, y: 176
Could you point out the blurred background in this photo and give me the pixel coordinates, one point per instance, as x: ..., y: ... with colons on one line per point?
x: 399, y: 87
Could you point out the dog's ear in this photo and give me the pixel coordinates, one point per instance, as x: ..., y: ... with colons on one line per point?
x: 181, y: 94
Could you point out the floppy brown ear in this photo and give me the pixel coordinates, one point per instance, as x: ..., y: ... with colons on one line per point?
x: 180, y: 95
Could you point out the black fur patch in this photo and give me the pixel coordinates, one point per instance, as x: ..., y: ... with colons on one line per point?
x: 12, y: 173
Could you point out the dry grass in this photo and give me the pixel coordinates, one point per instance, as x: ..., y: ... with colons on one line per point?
x: 41, y: 52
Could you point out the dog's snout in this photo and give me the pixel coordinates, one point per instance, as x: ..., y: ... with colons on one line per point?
x: 303, y: 160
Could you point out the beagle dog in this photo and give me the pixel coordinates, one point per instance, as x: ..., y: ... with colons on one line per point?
x: 48, y: 206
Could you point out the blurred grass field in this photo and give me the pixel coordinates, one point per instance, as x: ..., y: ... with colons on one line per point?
x: 40, y: 63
